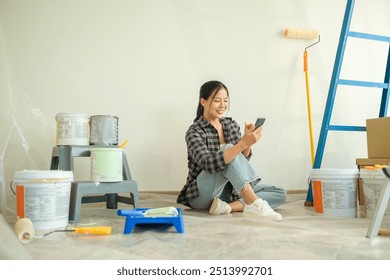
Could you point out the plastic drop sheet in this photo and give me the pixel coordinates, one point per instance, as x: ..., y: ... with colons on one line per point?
x: 302, y: 235
x: 21, y: 124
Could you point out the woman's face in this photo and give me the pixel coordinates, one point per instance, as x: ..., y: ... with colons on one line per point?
x: 216, y: 107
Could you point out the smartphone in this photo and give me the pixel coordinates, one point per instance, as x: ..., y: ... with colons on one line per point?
x: 259, y: 122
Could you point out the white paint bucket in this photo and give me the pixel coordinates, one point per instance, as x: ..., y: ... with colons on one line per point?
x: 373, y: 182
x: 103, y: 130
x: 335, y: 191
x: 43, y: 196
x: 72, y: 129
x: 106, y: 165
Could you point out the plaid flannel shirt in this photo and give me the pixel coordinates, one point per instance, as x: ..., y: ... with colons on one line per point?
x: 203, y: 153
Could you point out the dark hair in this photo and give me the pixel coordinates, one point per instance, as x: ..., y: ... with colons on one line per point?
x: 208, y: 89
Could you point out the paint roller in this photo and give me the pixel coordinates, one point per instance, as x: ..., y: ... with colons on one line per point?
x: 169, y: 211
x: 306, y: 34
x: 24, y: 230
x: 296, y: 33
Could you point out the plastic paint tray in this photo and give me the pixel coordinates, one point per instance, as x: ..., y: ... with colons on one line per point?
x: 133, y: 219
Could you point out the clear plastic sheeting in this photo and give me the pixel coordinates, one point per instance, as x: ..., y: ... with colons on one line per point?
x: 302, y: 235
x: 21, y: 125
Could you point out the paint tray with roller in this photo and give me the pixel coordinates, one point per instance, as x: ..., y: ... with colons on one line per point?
x: 152, y: 217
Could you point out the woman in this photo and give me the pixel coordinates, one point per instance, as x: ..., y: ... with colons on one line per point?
x: 220, y: 177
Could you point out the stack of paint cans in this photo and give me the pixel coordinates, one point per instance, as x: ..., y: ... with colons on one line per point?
x: 100, y: 133
x: 81, y: 129
x: 106, y: 158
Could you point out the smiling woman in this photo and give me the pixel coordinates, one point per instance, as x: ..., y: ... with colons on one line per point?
x: 220, y: 177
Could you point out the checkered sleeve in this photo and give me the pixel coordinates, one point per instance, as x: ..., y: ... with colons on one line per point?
x: 203, y: 148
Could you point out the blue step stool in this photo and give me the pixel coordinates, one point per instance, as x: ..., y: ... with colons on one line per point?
x: 135, y: 217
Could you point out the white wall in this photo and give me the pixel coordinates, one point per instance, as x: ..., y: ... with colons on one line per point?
x: 144, y: 61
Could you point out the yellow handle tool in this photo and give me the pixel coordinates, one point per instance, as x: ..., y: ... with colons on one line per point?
x: 93, y: 230
x: 306, y: 69
x: 85, y: 230
x: 124, y: 144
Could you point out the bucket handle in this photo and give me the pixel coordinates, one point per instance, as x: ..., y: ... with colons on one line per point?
x: 11, y: 184
x: 309, y: 181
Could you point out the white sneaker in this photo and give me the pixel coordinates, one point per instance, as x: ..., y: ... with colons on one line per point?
x: 262, y: 209
x: 219, y: 207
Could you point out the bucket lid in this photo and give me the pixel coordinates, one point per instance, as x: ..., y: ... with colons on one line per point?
x: 372, y: 173
x: 72, y: 115
x: 113, y: 149
x: 104, y: 116
x: 38, y: 174
x: 328, y: 172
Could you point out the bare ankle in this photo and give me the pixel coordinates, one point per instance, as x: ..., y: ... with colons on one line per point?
x: 248, y: 194
x: 237, y: 206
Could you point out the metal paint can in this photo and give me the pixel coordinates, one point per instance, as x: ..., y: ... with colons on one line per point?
x: 103, y: 130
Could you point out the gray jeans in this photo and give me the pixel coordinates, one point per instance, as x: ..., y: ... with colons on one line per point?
x: 237, y: 174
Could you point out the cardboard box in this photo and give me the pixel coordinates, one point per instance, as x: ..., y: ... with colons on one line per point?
x: 360, y: 162
x: 378, y: 137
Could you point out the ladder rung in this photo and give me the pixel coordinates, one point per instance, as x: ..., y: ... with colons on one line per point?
x: 362, y: 84
x: 369, y: 36
x: 346, y: 128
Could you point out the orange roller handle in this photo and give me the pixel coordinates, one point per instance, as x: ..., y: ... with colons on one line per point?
x: 305, y: 62
x: 306, y: 69
x: 93, y: 230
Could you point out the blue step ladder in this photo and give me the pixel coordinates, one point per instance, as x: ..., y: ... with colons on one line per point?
x: 336, y: 81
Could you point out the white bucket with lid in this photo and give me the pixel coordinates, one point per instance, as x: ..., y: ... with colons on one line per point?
x: 373, y: 181
x: 335, y: 191
x: 106, y: 164
x: 103, y: 130
x: 43, y: 196
x: 72, y: 129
